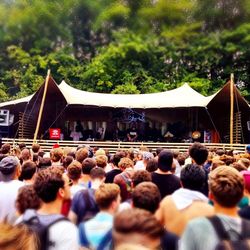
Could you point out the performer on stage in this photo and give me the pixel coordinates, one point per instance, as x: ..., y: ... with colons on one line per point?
x: 132, y: 133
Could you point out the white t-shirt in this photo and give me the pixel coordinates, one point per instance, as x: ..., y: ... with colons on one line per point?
x: 139, y: 166
x: 65, y: 236
x: 8, y: 195
x: 76, y: 135
x: 75, y: 188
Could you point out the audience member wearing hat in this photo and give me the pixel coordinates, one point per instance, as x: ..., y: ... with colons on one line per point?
x: 9, y: 185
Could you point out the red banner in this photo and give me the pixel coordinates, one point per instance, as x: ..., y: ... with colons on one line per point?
x: 54, y: 133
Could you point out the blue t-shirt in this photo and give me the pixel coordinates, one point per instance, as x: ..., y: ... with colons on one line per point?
x: 92, y: 232
x: 84, y: 205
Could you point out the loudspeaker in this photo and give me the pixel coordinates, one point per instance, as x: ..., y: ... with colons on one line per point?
x: 4, y: 117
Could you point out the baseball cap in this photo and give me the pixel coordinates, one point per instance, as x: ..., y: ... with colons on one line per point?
x: 8, y: 166
x: 248, y: 148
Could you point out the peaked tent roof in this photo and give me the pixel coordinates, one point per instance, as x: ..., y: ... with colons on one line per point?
x: 183, y: 96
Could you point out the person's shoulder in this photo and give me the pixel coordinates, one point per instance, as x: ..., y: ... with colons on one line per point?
x: 118, y: 177
x: 200, y: 223
x: 63, y: 225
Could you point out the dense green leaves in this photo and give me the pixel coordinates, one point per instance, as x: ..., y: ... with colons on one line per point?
x: 124, y: 46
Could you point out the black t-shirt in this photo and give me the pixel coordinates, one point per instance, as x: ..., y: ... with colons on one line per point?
x: 245, y: 212
x: 111, y: 175
x: 167, y: 183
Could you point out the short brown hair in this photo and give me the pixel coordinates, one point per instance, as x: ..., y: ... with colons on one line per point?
x: 56, y: 154
x: 74, y: 170
x: 216, y: 163
x: 87, y: 165
x: 27, y: 199
x: 5, y: 148
x: 125, y: 162
x: 82, y: 154
x: 146, y: 196
x: 141, y: 176
x: 227, y: 186
x: 47, y: 183
x: 28, y: 169
x: 106, y: 194
x: 136, y: 220
x: 35, y: 147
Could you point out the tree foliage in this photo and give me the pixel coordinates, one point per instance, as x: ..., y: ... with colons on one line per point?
x: 124, y: 46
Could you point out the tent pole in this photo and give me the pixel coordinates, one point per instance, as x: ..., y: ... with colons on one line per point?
x: 231, y: 107
x: 42, y: 106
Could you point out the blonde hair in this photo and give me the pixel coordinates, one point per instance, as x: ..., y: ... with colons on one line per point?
x: 126, y: 163
x: 101, y: 161
x: 227, y: 186
x: 17, y: 237
x: 106, y: 194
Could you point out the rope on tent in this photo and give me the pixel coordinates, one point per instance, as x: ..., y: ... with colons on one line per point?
x: 213, y: 123
x: 54, y: 121
x: 238, y: 109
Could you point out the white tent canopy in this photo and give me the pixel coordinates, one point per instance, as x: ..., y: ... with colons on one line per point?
x: 14, y: 102
x: 183, y: 96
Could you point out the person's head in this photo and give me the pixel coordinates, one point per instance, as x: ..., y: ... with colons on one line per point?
x: 125, y: 163
x: 193, y: 177
x: 87, y: 165
x: 101, y: 161
x: 107, y: 197
x: 220, y: 152
x: 238, y: 166
x: 44, y: 163
x: 75, y: 170
x: 245, y: 162
x: 35, y: 158
x: 146, y: 195
x: 82, y: 154
x: 97, y: 173
x: 152, y: 165
x: 56, y: 154
x: 137, y: 226
x: 67, y: 161
x: 9, y: 168
x: 27, y: 198
x: 50, y: 184
x: 248, y: 149
x: 5, y: 149
x: 115, y: 159
x: 22, y: 145
x: 141, y: 176
x: 17, y: 237
x: 35, y: 147
x: 100, y: 151
x: 158, y: 150
x: 226, y: 186
x: 25, y: 155
x: 176, y: 153
x: 165, y: 160
x: 198, y: 153
x: 216, y: 163
x: 181, y: 159
x: 146, y: 156
x: 28, y: 170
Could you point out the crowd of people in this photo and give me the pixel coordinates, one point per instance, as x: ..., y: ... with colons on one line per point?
x: 87, y: 198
